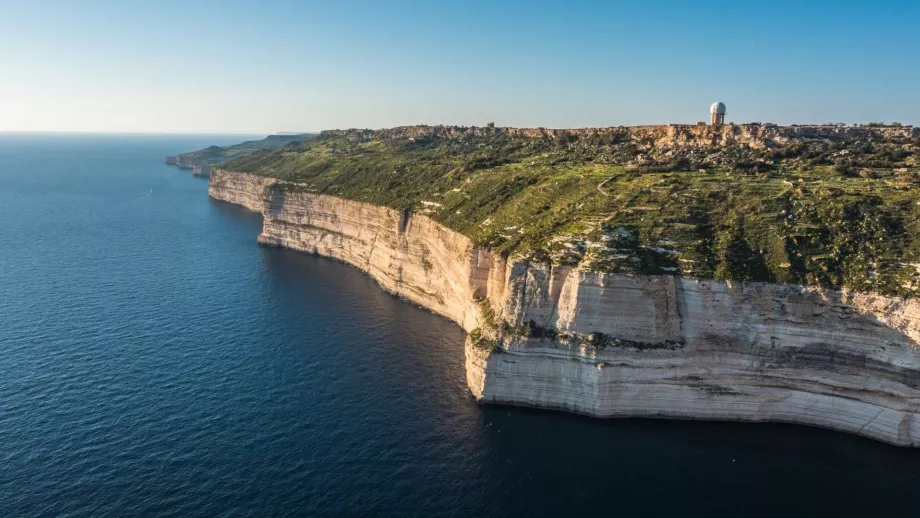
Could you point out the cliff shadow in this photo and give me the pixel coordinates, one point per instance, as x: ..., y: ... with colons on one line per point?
x: 237, y: 213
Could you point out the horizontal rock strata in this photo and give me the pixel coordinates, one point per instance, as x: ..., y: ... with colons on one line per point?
x: 611, y: 345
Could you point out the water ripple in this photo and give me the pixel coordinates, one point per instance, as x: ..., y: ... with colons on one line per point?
x: 155, y: 361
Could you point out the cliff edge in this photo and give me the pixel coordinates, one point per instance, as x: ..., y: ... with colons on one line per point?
x: 569, y: 337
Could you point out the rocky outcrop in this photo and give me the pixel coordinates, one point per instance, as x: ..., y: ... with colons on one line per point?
x: 613, y: 345
x: 680, y: 348
x: 201, y: 170
x: 247, y: 190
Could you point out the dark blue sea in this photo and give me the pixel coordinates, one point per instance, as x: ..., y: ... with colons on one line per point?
x: 154, y: 361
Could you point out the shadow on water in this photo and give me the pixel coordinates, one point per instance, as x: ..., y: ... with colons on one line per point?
x: 684, y: 468
x: 250, y: 222
x: 236, y: 212
x: 356, y: 307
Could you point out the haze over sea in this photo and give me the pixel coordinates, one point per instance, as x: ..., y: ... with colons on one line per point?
x: 155, y: 360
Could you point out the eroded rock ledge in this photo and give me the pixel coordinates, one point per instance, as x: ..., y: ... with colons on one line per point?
x: 614, y: 345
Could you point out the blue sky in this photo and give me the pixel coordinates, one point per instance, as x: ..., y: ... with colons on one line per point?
x: 260, y: 67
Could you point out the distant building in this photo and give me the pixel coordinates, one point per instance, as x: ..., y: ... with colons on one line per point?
x: 717, y: 114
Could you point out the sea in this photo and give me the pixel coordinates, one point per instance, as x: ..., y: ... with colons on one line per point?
x: 155, y: 361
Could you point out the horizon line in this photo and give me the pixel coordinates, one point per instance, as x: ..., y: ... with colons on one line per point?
x: 353, y: 128
x: 117, y: 132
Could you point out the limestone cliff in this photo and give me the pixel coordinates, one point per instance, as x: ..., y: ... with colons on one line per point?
x: 618, y: 345
x: 239, y: 189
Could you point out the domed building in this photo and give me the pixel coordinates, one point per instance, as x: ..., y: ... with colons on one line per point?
x: 717, y: 114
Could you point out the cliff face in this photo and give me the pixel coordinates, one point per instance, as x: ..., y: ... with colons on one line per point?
x: 247, y: 190
x: 616, y: 345
x: 410, y: 256
x: 709, y: 350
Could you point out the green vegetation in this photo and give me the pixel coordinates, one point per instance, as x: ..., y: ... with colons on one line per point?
x: 480, y: 341
x: 215, y: 155
x: 601, y: 341
x: 833, y: 211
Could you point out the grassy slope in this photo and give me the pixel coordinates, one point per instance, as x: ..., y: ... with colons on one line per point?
x: 214, y: 155
x: 834, y: 214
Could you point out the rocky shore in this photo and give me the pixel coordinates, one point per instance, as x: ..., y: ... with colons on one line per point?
x: 611, y: 345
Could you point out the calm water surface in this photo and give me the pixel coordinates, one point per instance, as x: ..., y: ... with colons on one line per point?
x: 155, y: 361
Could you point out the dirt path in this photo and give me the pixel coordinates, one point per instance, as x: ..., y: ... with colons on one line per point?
x: 602, y: 184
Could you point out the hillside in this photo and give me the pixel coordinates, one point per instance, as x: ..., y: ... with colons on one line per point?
x: 826, y: 206
x: 213, y: 155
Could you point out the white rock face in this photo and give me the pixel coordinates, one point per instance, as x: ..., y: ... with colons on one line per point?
x: 247, y: 190
x: 410, y: 256
x: 663, y: 346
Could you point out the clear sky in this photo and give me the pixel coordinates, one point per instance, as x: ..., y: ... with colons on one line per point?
x: 266, y: 66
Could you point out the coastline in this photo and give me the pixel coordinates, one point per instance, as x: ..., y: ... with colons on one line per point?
x: 615, y: 345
